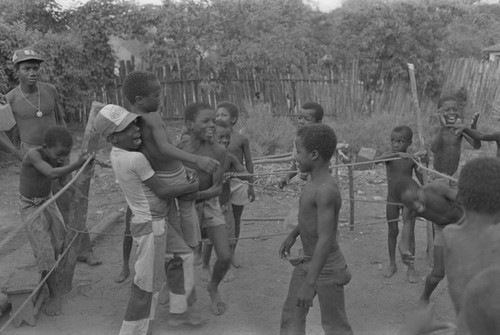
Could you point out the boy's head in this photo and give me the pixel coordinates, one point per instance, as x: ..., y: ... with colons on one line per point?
x: 142, y: 89
x: 228, y: 112
x: 57, y: 143
x: 200, y: 121
x: 310, y: 112
x: 479, y: 185
x: 448, y: 108
x: 119, y: 127
x: 222, y: 132
x: 481, y: 303
x: 27, y: 63
x: 314, y: 142
x: 409, y: 193
x: 401, y: 138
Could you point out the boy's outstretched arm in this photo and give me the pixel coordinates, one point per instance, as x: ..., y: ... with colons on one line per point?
x: 249, y: 165
x: 34, y: 157
x: 159, y: 131
x: 286, y: 179
x: 162, y: 190
x: 327, y: 200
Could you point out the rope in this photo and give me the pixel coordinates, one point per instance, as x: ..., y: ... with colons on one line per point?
x: 45, y: 204
x: 44, y: 279
x: 434, y: 171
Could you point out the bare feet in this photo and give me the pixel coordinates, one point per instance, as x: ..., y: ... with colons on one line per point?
x: 164, y: 296
x: 235, y: 262
x: 91, y: 260
x: 53, y: 306
x: 206, y: 274
x: 123, y: 275
x: 411, y: 275
x: 229, y: 276
x: 185, y: 319
x: 217, y: 306
x: 389, y: 270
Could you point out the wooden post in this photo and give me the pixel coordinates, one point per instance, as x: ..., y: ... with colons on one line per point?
x: 350, y: 171
x: 79, y: 204
x: 420, y: 130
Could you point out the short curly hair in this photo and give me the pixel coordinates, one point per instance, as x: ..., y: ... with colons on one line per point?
x: 320, y: 137
x: 479, y: 185
x: 57, y: 135
x: 404, y: 130
x: 231, y: 108
x: 317, y: 108
x: 137, y: 83
x: 193, y: 109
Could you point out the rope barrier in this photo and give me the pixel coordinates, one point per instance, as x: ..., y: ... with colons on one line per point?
x: 45, y: 204
x: 434, y: 171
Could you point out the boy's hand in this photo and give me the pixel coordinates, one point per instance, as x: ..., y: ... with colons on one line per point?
x: 441, y: 118
x: 473, y: 122
x: 305, y: 296
x: 228, y: 175
x: 285, y: 247
x: 207, y: 164
x: 283, y: 182
x: 251, y: 193
x: 83, y: 158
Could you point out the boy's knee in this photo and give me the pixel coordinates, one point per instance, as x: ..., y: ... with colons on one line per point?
x: 435, y: 277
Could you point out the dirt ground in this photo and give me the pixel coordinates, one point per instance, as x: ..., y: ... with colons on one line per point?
x: 96, y: 305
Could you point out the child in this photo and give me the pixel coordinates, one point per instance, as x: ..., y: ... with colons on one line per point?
x: 323, y: 269
x: 401, y: 139
x: 239, y: 147
x: 446, y: 143
x: 46, y: 231
x: 434, y: 202
x: 477, y: 135
x: 222, y: 136
x: 310, y: 112
x: 200, y: 121
x: 143, y: 190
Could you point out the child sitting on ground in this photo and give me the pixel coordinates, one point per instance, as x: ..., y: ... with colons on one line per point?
x: 401, y: 139
x: 222, y: 136
x: 239, y: 146
x: 200, y: 121
x: 46, y: 231
x: 323, y: 269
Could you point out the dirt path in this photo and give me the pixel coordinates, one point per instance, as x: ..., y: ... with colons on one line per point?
x: 96, y: 305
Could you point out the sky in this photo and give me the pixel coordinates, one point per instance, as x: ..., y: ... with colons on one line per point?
x: 323, y: 5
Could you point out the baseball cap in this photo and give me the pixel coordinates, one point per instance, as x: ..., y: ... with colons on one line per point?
x: 113, y: 119
x: 22, y: 55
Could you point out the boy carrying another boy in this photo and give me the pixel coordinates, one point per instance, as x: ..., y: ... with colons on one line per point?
x: 239, y: 146
x: 401, y: 139
x: 200, y: 121
x: 46, y: 232
x: 145, y: 193
x: 323, y: 269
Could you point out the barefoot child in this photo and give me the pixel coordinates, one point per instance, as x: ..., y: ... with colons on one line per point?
x: 239, y: 146
x: 434, y: 202
x: 46, y: 232
x: 143, y: 190
x: 401, y: 139
x: 222, y: 136
x: 200, y: 121
x: 323, y: 270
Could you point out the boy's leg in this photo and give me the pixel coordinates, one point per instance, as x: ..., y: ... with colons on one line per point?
x: 218, y: 236
x: 437, y: 273
x: 293, y: 318
x: 206, y: 274
x: 136, y: 320
x: 237, y: 211
x: 392, y: 213
x: 126, y: 248
x: 407, y: 249
x: 332, y: 306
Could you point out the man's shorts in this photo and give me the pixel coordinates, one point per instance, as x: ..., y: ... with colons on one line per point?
x: 209, y: 213
x: 46, y: 231
x: 227, y: 211
x: 239, y: 192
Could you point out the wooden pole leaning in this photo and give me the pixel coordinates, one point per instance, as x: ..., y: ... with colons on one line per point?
x: 79, y: 202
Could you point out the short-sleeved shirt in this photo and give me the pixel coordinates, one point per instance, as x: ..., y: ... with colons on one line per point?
x: 131, y: 170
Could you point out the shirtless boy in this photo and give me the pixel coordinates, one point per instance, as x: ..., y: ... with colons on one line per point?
x: 239, y: 146
x: 323, y: 269
x: 144, y: 192
x: 435, y: 202
x: 222, y: 136
x: 200, y: 121
x: 46, y: 231
x: 401, y: 139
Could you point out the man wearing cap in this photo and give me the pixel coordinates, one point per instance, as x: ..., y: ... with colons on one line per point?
x: 35, y: 107
x: 145, y: 193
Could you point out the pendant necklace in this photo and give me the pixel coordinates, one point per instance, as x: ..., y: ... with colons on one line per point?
x: 38, y: 111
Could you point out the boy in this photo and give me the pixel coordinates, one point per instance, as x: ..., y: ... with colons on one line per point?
x: 310, y: 112
x: 477, y: 135
x: 143, y: 189
x: 446, y: 143
x: 222, y: 136
x: 200, y: 121
x: 46, y: 232
x: 323, y: 269
x: 434, y: 202
x: 240, y: 147
x: 401, y: 139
